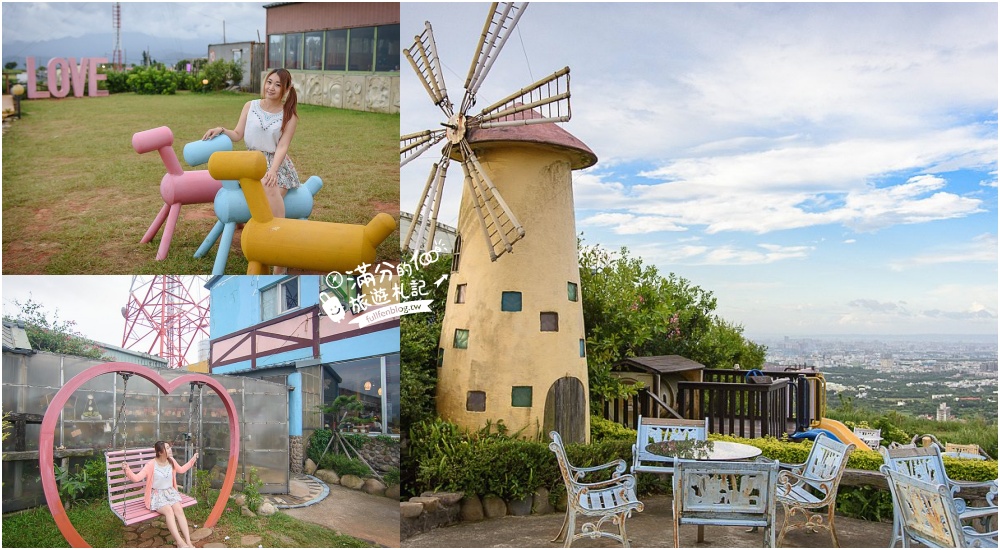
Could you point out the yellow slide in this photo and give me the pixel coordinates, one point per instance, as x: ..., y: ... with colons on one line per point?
x: 842, y: 432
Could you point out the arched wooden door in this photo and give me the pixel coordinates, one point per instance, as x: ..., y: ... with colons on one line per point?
x: 566, y: 410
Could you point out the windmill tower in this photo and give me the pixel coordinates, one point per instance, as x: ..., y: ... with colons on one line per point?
x: 163, y: 318
x: 116, y: 54
x: 512, y: 342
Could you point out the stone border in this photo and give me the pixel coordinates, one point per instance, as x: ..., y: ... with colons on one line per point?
x: 318, y: 498
x: 370, y: 485
x: 432, y: 510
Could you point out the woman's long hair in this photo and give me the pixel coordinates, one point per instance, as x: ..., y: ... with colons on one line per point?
x: 161, y: 450
x: 290, y: 97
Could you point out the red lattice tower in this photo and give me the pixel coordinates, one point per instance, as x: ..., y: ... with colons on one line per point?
x: 162, y: 311
x: 116, y: 54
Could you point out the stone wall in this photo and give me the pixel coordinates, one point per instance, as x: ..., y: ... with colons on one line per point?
x: 296, y: 453
x: 369, y: 93
x: 381, y: 454
x: 432, y: 510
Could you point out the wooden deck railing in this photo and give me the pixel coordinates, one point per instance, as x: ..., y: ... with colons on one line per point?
x: 627, y: 411
x: 736, y: 408
x: 732, y: 406
x: 797, y: 411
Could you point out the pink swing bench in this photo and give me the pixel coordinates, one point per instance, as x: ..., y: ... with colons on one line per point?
x: 127, y: 498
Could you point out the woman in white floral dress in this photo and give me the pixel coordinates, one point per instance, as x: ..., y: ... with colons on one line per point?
x: 268, y: 124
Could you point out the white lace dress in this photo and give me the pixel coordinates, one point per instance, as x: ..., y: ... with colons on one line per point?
x: 163, y: 492
x: 261, y: 133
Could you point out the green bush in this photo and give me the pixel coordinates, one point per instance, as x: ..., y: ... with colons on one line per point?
x: 221, y: 74
x: 97, y: 479
x: 202, y: 486
x: 117, y: 81
x: 251, y: 489
x: 391, y: 477
x: 344, y: 465
x: 865, y: 502
x: 317, y: 443
x: 152, y: 80
x: 601, y: 428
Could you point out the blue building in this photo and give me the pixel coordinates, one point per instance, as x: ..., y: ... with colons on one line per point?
x: 275, y: 328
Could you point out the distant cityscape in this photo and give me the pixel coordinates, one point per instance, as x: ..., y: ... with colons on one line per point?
x: 940, y: 378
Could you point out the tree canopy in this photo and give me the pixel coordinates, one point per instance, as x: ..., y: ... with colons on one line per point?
x: 630, y: 310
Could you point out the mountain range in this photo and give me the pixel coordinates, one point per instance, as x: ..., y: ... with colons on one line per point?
x: 168, y: 50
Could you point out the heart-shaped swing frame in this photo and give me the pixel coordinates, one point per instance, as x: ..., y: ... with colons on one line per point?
x: 46, y: 441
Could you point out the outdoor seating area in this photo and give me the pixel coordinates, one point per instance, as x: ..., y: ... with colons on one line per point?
x: 714, y: 485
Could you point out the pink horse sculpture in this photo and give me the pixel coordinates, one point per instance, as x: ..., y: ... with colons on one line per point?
x: 177, y: 187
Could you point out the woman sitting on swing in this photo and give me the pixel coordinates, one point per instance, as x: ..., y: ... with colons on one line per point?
x: 160, y: 474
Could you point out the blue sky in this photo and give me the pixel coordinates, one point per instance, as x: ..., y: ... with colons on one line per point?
x: 821, y: 168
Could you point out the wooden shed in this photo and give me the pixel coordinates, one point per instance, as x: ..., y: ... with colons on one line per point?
x: 660, y: 376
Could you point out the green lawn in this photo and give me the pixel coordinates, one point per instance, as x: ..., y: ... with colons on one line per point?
x: 97, y: 525
x: 77, y: 198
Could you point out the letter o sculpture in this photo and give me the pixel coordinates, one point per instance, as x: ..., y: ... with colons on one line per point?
x: 46, y: 440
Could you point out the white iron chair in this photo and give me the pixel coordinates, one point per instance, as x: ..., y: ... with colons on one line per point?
x: 811, y: 486
x: 655, y: 430
x: 926, y: 513
x: 871, y: 437
x: 725, y: 493
x: 925, y: 464
x: 611, y: 500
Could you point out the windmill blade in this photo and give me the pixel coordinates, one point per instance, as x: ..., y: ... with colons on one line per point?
x: 548, y: 98
x: 425, y: 216
x: 423, y: 57
x: 413, y: 145
x: 500, y: 22
x: 500, y: 227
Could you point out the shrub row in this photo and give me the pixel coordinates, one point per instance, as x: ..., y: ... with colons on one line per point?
x: 158, y: 80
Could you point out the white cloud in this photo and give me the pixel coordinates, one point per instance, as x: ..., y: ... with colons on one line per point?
x: 982, y: 249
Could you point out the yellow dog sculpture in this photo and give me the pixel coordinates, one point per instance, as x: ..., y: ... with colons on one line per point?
x: 297, y: 244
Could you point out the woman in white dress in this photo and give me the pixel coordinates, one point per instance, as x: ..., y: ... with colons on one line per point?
x: 161, y: 495
x: 268, y: 124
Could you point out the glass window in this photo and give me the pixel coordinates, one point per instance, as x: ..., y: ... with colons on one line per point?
x: 475, y: 401
x: 460, y: 294
x: 387, y: 48
x: 583, y: 347
x: 275, y: 51
x: 520, y: 396
x: 279, y: 298
x: 361, y: 52
x: 313, y: 58
x: 550, y: 321
x: 293, y: 51
x: 362, y: 379
x: 456, y: 253
x: 510, y: 301
x: 440, y: 357
x: 336, y: 50
x: 571, y: 292
x: 461, y: 338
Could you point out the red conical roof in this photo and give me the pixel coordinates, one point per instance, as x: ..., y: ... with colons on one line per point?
x: 547, y: 134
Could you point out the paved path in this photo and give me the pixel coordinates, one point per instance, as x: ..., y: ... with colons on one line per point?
x: 651, y: 528
x: 355, y: 513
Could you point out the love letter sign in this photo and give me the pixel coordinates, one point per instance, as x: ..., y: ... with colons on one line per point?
x: 46, y: 439
x: 62, y: 71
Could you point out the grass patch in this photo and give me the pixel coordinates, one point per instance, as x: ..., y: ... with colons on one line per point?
x: 35, y: 528
x: 77, y: 198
